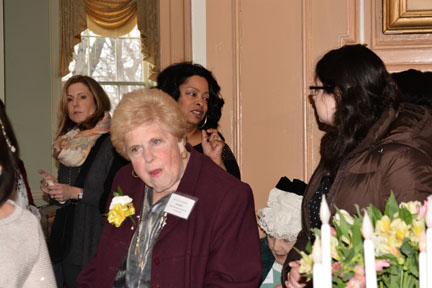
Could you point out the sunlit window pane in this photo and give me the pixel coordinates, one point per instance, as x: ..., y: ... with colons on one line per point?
x: 102, y: 59
x: 116, y: 63
x: 130, y: 60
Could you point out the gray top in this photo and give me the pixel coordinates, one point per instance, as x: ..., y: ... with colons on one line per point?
x: 135, y: 270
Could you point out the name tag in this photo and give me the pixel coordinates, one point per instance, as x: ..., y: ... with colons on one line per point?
x: 180, y: 205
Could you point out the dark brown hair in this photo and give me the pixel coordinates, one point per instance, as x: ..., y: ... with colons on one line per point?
x: 363, y: 89
x: 8, y: 159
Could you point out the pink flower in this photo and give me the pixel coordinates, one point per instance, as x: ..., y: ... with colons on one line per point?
x: 359, y: 269
x: 336, y: 269
x: 423, y: 210
x: 333, y: 231
x: 381, y: 263
x: 358, y: 281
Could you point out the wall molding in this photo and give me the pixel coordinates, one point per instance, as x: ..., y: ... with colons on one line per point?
x: 2, y: 63
x: 199, y: 33
x: 397, y: 18
x: 400, y: 51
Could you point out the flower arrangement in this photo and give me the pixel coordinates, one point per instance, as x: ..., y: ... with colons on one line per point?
x: 121, y: 207
x: 396, y: 235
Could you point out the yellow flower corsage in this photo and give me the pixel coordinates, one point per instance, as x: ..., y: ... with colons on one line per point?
x: 120, y: 208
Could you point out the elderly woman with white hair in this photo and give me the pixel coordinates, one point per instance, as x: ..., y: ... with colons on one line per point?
x: 281, y: 221
x: 194, y: 224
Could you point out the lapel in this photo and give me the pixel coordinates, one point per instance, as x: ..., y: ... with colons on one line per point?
x: 187, y: 186
x: 134, y: 189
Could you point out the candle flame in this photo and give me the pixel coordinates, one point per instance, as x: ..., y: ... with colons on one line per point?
x: 324, y: 211
x: 367, y: 229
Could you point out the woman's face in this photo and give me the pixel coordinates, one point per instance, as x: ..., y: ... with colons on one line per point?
x: 80, y: 102
x: 325, y: 105
x: 280, y: 248
x: 156, y: 157
x: 193, y: 100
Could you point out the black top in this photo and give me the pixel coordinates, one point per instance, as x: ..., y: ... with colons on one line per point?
x: 228, y: 159
x: 96, y: 184
x: 315, y: 202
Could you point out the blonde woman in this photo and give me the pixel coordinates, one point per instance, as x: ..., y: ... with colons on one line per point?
x: 211, y: 241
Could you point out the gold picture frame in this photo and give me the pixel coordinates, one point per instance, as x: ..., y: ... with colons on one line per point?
x: 397, y: 19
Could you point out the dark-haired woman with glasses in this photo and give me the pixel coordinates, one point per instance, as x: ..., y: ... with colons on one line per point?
x: 373, y: 144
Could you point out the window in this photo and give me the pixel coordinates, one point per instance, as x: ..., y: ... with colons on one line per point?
x: 116, y: 63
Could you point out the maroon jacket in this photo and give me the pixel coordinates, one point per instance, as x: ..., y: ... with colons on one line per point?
x: 218, y: 246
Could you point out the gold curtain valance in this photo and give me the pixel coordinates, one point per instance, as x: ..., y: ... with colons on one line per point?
x: 110, y: 18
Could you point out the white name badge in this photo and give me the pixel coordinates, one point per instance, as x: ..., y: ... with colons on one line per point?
x: 180, y: 205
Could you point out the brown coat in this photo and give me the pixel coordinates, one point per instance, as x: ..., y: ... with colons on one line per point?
x: 396, y: 155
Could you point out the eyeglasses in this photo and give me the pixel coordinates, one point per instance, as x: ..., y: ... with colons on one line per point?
x: 314, y: 90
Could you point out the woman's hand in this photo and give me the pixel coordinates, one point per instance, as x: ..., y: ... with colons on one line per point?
x: 57, y: 191
x: 63, y: 192
x: 213, y: 146
x: 47, y: 180
x: 294, y: 277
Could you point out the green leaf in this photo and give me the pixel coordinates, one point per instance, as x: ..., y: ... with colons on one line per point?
x: 406, y: 248
x: 347, y: 276
x: 349, y: 255
x: 119, y: 192
x: 131, y: 218
x: 357, y: 209
x: 405, y: 215
x: 413, y: 265
x: 392, y: 206
x: 345, y: 228
x: 374, y: 214
x: 308, y: 247
x: 356, y: 233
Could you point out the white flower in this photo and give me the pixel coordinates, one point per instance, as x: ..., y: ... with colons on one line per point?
x: 122, y: 200
x: 412, y: 206
x: 348, y: 218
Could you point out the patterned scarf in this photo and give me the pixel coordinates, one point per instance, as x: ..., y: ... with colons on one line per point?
x: 72, y: 148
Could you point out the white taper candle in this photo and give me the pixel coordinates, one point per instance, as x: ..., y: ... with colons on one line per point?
x: 369, y: 252
x: 325, y: 238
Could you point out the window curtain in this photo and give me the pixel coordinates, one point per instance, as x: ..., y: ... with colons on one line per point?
x: 110, y: 18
